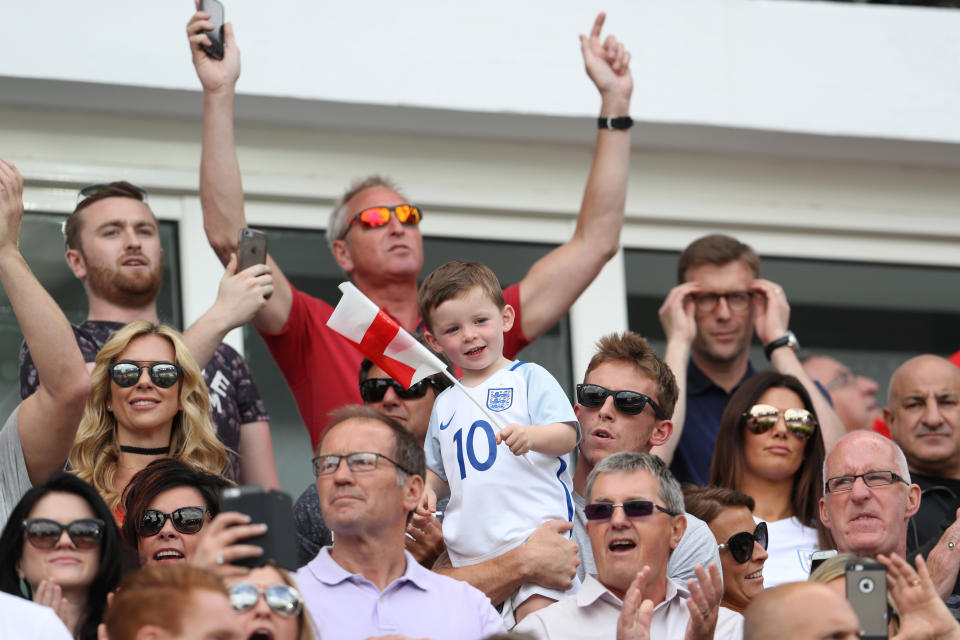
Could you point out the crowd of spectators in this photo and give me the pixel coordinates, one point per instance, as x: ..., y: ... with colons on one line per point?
x: 461, y: 511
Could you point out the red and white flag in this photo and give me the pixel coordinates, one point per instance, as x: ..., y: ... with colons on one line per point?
x: 381, y: 339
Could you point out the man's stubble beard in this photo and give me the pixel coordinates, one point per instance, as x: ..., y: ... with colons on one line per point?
x: 125, y: 289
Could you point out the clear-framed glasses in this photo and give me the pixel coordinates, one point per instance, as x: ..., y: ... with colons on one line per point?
x: 358, y: 462
x: 736, y: 300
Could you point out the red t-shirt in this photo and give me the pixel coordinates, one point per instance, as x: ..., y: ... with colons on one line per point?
x: 321, y: 367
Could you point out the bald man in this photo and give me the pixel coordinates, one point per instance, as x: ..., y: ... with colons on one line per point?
x: 923, y: 413
x: 784, y: 612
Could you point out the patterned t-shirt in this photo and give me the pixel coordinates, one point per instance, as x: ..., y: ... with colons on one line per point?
x: 234, y: 397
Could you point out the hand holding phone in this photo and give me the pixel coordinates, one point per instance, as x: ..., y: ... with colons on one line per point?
x: 215, y: 9
x: 272, y: 508
x: 867, y: 593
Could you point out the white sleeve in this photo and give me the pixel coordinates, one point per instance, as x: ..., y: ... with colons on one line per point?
x: 546, y: 400
x: 431, y: 445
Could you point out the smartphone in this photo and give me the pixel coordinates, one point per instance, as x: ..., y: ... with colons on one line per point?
x: 273, y: 508
x: 215, y: 9
x: 817, y: 558
x: 867, y: 593
x: 252, y: 248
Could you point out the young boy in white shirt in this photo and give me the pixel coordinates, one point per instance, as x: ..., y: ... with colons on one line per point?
x: 497, y: 497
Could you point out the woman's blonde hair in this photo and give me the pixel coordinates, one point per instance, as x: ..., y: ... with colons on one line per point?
x: 192, y: 437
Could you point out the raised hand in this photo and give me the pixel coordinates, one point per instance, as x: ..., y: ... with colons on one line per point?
x: 922, y: 613
x: 242, y: 295
x: 704, y: 603
x: 11, y: 205
x: 220, y: 544
x: 771, y: 314
x: 215, y: 75
x: 677, y: 313
x: 637, y: 613
x: 424, y: 538
x: 49, y: 594
x: 607, y: 63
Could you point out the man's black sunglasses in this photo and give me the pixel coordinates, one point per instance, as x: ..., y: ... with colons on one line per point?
x: 373, y: 389
x: 741, y: 544
x: 127, y: 373
x: 628, y: 402
x: 631, y: 508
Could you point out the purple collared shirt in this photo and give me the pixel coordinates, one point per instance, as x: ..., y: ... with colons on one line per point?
x: 419, y: 604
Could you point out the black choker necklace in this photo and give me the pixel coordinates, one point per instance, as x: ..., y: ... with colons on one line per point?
x: 157, y: 451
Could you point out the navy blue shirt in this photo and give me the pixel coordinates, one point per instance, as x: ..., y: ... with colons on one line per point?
x: 705, y: 404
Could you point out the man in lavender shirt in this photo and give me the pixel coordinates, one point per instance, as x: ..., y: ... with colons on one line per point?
x: 370, y: 478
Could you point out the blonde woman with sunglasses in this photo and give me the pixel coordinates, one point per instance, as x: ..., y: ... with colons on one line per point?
x: 148, y: 400
x: 770, y: 447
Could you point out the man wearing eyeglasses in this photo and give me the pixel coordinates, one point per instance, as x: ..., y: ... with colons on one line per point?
x: 375, y: 238
x: 635, y: 520
x: 370, y: 474
x: 854, y: 397
x: 709, y: 320
x: 868, y: 497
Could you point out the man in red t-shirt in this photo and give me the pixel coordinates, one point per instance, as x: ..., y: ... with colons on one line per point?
x: 383, y: 258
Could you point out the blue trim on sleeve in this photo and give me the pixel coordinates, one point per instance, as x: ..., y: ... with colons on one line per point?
x: 517, y: 364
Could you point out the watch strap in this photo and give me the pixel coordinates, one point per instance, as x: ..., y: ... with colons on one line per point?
x: 788, y: 340
x: 618, y: 123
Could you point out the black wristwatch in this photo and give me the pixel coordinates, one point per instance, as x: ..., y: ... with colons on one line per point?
x: 617, y: 124
x: 788, y: 340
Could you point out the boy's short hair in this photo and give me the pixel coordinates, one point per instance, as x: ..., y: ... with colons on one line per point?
x: 630, y: 348
x: 716, y: 249
x: 453, y: 279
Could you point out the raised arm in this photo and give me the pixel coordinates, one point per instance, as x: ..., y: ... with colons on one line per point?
x: 49, y: 418
x: 221, y: 188
x: 555, y: 281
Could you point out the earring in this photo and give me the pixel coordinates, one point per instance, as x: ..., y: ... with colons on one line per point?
x: 25, y: 589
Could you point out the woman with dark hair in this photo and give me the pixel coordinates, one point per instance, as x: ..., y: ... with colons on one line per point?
x: 769, y: 446
x: 61, y: 548
x: 168, y: 503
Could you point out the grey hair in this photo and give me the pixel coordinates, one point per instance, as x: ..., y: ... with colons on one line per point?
x: 338, y: 221
x: 899, y: 460
x: 630, y: 461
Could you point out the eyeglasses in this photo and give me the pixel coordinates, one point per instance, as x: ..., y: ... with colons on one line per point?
x: 628, y: 402
x: 373, y: 389
x: 736, y: 300
x: 842, y: 380
x: 126, y: 188
x: 282, y: 598
x: 631, y: 508
x: 840, y: 484
x: 379, y: 216
x: 185, y: 520
x: 127, y: 373
x: 43, y: 533
x: 359, y: 462
x: 763, y: 417
x: 741, y: 544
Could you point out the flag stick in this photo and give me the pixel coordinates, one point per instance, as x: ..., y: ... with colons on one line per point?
x: 483, y: 409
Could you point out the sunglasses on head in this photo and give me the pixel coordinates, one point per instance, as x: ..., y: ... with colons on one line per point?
x: 127, y: 373
x: 763, y: 417
x: 379, y: 216
x: 373, y: 389
x: 121, y: 187
x: 43, y: 533
x: 741, y: 544
x: 185, y: 520
x: 282, y: 598
x: 629, y: 402
x: 631, y: 508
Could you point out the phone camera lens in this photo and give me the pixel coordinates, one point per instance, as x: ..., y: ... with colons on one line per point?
x: 865, y: 585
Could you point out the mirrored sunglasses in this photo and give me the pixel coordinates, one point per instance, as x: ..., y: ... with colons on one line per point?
x: 740, y: 544
x: 185, y: 520
x: 628, y: 402
x: 282, y: 598
x: 127, y: 373
x: 631, y: 508
x: 763, y: 417
x: 379, y: 216
x: 43, y: 533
